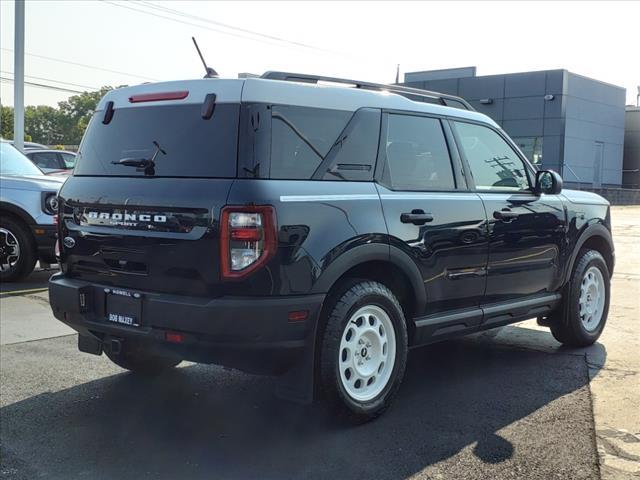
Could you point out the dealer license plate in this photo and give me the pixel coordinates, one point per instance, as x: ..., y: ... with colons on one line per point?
x: 124, y: 307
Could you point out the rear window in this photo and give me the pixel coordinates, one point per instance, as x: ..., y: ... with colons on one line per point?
x: 193, y: 146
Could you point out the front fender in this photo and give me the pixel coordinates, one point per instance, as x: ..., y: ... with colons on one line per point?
x: 595, y: 230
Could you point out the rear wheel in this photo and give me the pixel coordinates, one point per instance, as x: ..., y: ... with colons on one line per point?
x: 585, y: 308
x: 141, y: 360
x: 364, y: 351
x: 17, y: 250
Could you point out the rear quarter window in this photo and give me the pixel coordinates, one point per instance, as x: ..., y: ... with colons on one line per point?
x: 195, y: 147
x: 301, y: 138
x: 302, y: 143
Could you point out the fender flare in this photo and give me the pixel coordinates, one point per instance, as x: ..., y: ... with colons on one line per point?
x: 18, y: 212
x: 374, y: 252
x: 595, y: 230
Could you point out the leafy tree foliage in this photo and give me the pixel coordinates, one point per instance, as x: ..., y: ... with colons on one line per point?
x: 64, y: 125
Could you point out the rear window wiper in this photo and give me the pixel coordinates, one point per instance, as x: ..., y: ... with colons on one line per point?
x: 146, y: 165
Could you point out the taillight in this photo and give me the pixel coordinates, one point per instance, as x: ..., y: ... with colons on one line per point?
x: 247, y: 239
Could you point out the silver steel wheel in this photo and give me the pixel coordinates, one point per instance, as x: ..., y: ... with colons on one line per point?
x: 367, y: 353
x: 592, y: 299
x: 9, y: 250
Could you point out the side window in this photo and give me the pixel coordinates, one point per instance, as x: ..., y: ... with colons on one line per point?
x: 494, y: 164
x: 300, y: 139
x: 68, y: 159
x: 46, y: 160
x: 353, y: 155
x: 417, y: 154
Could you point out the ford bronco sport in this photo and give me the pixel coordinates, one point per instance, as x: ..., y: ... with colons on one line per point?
x: 28, y: 204
x: 291, y: 225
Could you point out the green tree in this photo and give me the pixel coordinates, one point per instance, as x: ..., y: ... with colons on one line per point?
x: 6, y: 123
x: 76, y: 112
x: 42, y: 124
x: 63, y: 125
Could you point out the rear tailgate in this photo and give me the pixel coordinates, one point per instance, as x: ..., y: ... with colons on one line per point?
x: 159, y: 237
x: 153, y: 229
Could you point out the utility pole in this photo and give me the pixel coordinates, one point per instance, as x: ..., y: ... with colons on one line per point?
x: 18, y: 77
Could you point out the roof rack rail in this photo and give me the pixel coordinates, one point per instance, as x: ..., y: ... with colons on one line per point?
x: 436, y: 97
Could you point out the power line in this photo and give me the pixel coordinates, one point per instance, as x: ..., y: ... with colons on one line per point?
x: 233, y: 27
x: 146, y: 12
x: 41, y: 85
x: 53, y: 80
x: 280, y: 43
x: 93, y: 67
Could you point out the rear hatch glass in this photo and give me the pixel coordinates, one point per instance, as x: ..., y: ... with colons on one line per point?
x: 183, y: 142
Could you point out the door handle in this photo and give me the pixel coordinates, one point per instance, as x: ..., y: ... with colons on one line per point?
x: 478, y: 272
x: 417, y: 217
x: 505, y: 215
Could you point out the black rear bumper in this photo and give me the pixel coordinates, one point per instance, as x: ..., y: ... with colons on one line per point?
x: 252, y: 334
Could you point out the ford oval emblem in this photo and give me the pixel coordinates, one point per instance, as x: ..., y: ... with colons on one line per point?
x: 69, y: 242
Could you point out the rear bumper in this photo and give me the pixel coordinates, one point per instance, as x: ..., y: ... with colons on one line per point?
x: 249, y: 333
x: 45, y: 236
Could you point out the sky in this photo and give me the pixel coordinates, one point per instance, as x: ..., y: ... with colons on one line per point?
x: 87, y: 44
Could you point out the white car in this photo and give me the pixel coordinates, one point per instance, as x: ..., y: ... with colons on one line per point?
x: 28, y: 204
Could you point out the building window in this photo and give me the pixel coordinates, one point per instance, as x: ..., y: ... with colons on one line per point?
x: 531, y: 147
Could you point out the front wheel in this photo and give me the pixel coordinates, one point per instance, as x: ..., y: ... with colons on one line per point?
x: 586, y: 306
x: 17, y: 250
x: 364, y: 351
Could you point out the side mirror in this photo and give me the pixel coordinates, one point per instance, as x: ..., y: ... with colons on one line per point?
x: 549, y: 182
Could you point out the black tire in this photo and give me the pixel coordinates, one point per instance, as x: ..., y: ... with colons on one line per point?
x: 346, y: 302
x: 567, y: 324
x: 11, y: 229
x: 140, y: 360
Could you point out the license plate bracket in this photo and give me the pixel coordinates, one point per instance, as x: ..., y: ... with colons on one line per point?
x: 124, y: 308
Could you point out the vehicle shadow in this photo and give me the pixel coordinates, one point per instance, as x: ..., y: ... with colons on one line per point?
x: 462, y: 407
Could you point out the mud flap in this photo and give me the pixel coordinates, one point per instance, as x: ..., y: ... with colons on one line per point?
x: 89, y: 344
x: 297, y: 384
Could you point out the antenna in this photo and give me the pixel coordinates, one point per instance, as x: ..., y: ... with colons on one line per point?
x: 211, y: 73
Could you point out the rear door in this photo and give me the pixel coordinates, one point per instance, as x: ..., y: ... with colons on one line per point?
x: 527, y: 232
x: 430, y: 214
x: 153, y: 229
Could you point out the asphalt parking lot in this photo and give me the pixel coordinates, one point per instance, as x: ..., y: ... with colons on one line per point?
x: 514, y: 405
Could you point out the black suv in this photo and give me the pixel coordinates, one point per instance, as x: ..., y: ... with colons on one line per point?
x: 290, y: 226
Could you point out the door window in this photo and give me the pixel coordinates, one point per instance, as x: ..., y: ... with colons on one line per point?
x: 48, y: 160
x: 494, y: 164
x: 417, y: 154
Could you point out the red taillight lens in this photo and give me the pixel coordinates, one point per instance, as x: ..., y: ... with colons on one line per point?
x: 246, y: 234
x: 247, y: 239
x: 174, y: 337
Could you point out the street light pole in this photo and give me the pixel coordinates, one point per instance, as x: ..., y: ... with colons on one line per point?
x: 18, y: 77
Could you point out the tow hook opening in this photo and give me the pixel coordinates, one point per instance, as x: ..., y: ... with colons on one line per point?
x: 116, y: 346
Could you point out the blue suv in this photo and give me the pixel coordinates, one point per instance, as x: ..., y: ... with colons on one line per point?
x: 28, y: 203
